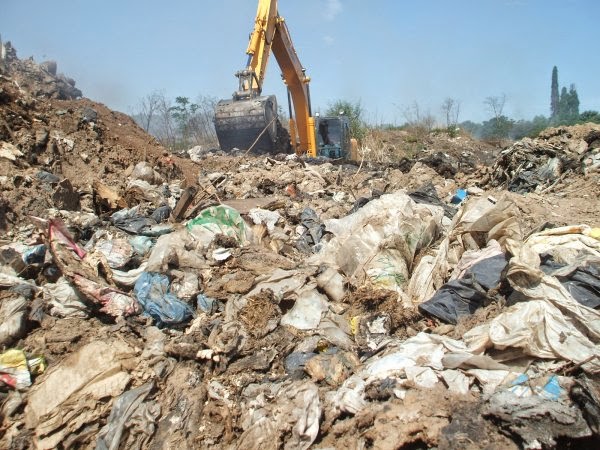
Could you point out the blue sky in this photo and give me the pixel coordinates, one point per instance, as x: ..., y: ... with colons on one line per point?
x: 387, y: 54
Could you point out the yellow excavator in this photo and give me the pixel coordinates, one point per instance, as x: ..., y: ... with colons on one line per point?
x: 249, y: 121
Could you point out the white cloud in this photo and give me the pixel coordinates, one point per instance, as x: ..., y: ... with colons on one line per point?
x: 329, y: 40
x: 332, y: 9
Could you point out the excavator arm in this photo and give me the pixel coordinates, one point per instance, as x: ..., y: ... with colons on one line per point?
x: 251, y: 119
x: 298, y: 87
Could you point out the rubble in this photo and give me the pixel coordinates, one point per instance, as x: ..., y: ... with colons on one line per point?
x: 235, y: 301
x: 539, y: 164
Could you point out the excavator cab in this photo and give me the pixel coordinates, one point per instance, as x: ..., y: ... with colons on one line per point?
x: 333, y: 136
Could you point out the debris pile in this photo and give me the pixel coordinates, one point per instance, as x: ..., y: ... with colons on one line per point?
x: 41, y: 80
x: 540, y: 164
x: 269, y: 302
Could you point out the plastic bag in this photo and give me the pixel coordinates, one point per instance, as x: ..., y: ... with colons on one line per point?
x: 461, y: 297
x: 16, y: 369
x: 220, y: 219
x: 13, y: 317
x: 64, y: 300
x: 152, y: 291
x: 378, y: 243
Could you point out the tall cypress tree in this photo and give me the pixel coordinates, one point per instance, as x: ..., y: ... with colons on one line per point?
x: 554, y: 99
x: 563, y: 105
x: 573, y: 102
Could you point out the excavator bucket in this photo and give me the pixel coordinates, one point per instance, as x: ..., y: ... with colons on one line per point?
x: 249, y: 124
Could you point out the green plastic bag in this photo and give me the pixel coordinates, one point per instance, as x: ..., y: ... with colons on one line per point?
x: 221, y: 220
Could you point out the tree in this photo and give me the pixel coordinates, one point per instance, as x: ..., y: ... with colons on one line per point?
x: 529, y: 128
x: 183, y: 112
x: 421, y: 122
x: 354, y: 112
x: 451, y: 110
x: 497, y: 128
x: 554, y: 98
x: 568, y: 106
x: 589, y: 116
x: 495, y: 105
x: 471, y: 127
x: 165, y: 128
x: 573, y: 102
x: 148, y: 107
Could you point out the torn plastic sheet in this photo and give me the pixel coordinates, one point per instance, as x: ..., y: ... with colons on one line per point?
x: 550, y: 324
x: 130, y: 277
x: 313, y: 229
x: 131, y: 221
x: 152, y: 291
x: 427, y: 194
x: 461, y: 297
x: 283, y: 283
x: 68, y: 397
x: 480, y: 221
x: 424, y: 360
x: 13, y: 316
x: 581, y: 280
x: 64, y: 300
x: 141, y: 244
x: 548, y: 387
x: 290, y: 421
x: 378, y: 243
x: 544, y: 330
x: 471, y: 257
x: 129, y: 415
x: 9, y: 280
x: 456, y: 381
x: 537, y: 420
x: 423, y: 377
x: 206, y: 304
x: 424, y: 350
x: 264, y: 216
x: 143, y: 191
x: 180, y: 249
x: 161, y: 214
x: 34, y: 254
x: 186, y: 285
x: 308, y: 309
x: 118, y: 252
x: 566, y: 245
x: 429, y: 275
x: 71, y: 259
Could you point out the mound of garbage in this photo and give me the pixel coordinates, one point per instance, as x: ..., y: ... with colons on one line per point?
x: 542, y: 163
x: 148, y: 301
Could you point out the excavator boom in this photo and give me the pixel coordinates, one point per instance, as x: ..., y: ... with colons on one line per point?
x: 249, y: 120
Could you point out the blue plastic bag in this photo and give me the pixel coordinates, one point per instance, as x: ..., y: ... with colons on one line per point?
x: 35, y: 254
x: 152, y: 292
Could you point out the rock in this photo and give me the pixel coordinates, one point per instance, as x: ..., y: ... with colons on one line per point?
x: 49, y: 66
x: 89, y: 115
x: 65, y: 197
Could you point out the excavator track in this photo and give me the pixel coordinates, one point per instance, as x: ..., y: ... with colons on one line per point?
x: 249, y: 124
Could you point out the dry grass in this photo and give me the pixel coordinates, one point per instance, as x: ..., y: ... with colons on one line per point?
x: 383, y: 146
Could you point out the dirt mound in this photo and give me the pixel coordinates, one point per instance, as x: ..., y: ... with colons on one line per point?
x: 46, y: 137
